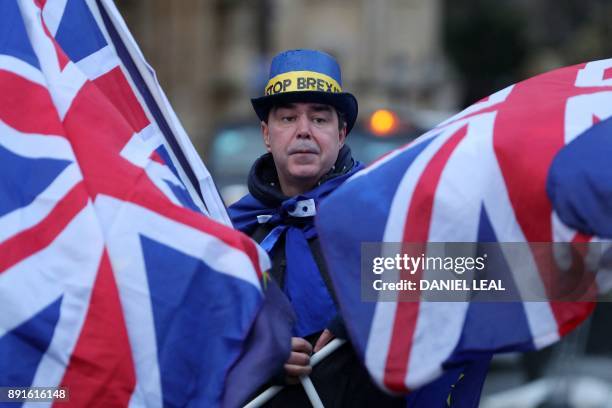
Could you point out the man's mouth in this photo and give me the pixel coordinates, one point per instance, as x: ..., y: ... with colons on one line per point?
x: 303, y: 151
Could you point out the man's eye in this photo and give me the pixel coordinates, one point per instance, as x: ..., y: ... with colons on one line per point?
x: 319, y: 120
x: 287, y: 118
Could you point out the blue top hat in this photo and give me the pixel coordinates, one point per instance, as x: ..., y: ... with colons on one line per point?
x: 306, y: 76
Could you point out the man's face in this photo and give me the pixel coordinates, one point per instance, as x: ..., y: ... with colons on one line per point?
x: 304, y: 140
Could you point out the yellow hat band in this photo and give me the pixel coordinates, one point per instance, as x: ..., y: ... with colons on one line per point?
x: 297, y: 81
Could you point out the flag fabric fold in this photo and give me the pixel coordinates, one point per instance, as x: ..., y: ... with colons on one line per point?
x: 479, y: 177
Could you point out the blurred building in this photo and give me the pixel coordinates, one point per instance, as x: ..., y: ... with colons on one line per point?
x: 211, y: 56
x: 414, y: 56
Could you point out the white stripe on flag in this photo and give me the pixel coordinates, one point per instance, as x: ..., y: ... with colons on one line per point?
x: 594, y: 74
x: 75, y: 271
x: 379, y: 340
x: 542, y: 323
x: 141, y: 145
x: 116, y: 215
x: 459, y: 192
x: 438, y: 329
x: 52, y: 14
x: 25, y: 217
x: 496, y: 98
x: 580, y: 109
x: 540, y: 318
x: 21, y: 68
x: 63, y: 84
x: 394, y: 230
x: 99, y: 63
x: 35, y: 146
x: 130, y: 273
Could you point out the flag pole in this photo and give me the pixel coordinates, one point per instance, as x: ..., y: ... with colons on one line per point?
x: 270, y: 392
x: 312, y: 394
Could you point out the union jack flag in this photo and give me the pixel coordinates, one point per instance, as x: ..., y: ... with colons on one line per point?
x: 480, y: 176
x: 114, y: 280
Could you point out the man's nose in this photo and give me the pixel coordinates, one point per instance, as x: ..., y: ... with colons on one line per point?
x: 303, y: 127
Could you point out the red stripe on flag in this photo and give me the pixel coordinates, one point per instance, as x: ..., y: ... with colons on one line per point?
x: 117, y: 89
x: 580, y: 237
x: 62, y: 58
x: 27, y: 107
x: 101, y: 368
x: 98, y: 133
x: 157, y: 158
x: 39, y: 236
x: 525, y: 150
x: 571, y: 314
x: 416, y: 230
x: 418, y: 219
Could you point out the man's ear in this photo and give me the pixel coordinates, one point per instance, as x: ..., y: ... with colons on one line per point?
x: 342, y: 135
x: 265, y: 132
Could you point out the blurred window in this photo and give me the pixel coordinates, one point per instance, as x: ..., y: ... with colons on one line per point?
x: 235, y: 149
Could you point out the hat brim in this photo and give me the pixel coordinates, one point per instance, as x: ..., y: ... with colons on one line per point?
x: 342, y: 101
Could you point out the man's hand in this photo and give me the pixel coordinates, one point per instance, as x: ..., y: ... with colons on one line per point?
x: 323, y: 339
x: 299, y: 360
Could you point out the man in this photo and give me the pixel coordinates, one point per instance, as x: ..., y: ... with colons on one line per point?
x: 305, y: 121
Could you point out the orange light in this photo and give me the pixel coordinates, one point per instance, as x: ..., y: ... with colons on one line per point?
x: 383, y: 122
